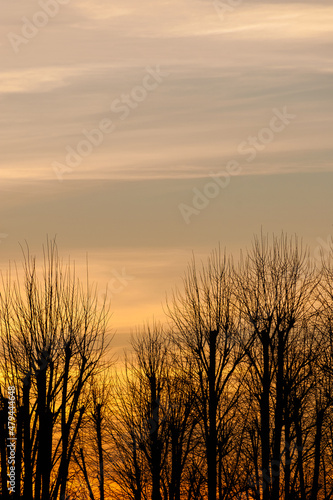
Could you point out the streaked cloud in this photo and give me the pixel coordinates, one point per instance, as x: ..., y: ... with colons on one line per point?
x: 225, y: 78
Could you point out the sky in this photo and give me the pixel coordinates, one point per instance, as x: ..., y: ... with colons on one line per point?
x: 142, y: 132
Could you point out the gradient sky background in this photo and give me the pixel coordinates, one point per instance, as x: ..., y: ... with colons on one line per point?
x: 228, y: 68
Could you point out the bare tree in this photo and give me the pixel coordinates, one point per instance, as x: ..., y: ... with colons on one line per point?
x: 205, y: 327
x: 53, y: 338
x: 92, y: 446
x: 150, y: 348
x: 275, y: 293
x: 128, y: 430
x: 323, y: 375
x: 182, y: 425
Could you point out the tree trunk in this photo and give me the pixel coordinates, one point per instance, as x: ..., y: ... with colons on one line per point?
x: 138, y: 484
x: 27, y: 456
x: 287, y: 471
x: 299, y: 444
x: 85, y: 474
x: 176, y: 466
x: 100, y: 451
x: 68, y: 455
x: 212, y: 411
x: 265, y: 420
x: 319, y: 426
x: 278, y: 420
x: 155, y: 442
x: 43, y: 462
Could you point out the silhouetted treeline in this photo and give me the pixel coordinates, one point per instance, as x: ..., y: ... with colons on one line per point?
x: 230, y: 398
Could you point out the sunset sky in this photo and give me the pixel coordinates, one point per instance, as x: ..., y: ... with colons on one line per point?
x: 116, y: 117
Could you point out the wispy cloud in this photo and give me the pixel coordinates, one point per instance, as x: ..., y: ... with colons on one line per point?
x: 225, y: 77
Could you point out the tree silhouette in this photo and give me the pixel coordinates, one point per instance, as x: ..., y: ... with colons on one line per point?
x: 52, y: 341
x: 206, y: 329
x: 275, y: 293
x: 231, y: 398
